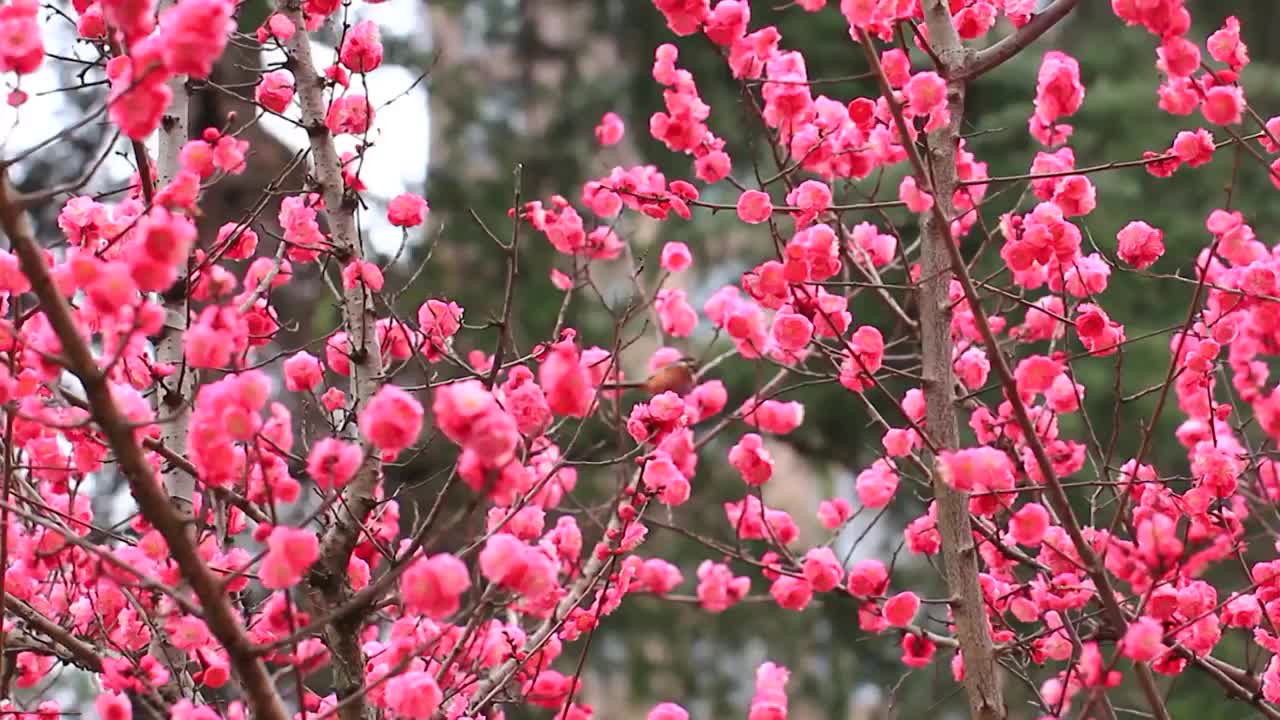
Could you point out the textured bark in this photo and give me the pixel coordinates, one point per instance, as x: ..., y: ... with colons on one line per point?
x: 937, y: 173
x: 960, y: 552
x: 954, y: 59
x: 174, y: 394
x: 173, y: 401
x: 327, y: 583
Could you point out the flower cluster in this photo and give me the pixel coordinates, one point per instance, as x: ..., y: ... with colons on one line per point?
x: 277, y: 479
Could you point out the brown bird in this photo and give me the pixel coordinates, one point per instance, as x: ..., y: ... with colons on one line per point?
x: 678, y: 377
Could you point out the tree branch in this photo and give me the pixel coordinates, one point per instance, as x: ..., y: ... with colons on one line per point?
x: 329, y: 573
x: 1007, y: 48
x: 939, y: 221
x: 960, y: 555
x: 119, y: 432
x: 174, y: 394
x: 80, y: 652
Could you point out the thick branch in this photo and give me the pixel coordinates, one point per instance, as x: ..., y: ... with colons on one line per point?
x: 937, y: 14
x: 174, y: 394
x: 152, y: 499
x: 960, y: 554
x: 1236, y: 682
x: 327, y: 579
x: 80, y: 652
x: 1006, y: 49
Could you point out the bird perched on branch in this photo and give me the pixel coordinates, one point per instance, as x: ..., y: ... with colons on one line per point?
x: 678, y: 377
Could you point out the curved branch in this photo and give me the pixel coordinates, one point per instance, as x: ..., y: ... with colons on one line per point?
x: 985, y: 61
x: 153, y: 500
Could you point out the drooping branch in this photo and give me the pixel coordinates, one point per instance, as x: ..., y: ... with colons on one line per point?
x: 148, y: 492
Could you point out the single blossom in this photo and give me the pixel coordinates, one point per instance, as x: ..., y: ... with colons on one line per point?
x: 392, y: 420
x: 407, y: 210
x: 754, y: 207
x: 610, y: 129
x: 901, y: 609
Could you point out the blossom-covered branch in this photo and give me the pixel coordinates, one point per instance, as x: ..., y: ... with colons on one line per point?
x: 399, y: 515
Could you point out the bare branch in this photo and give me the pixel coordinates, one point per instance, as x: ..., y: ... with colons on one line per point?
x: 985, y: 61
x: 80, y: 652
